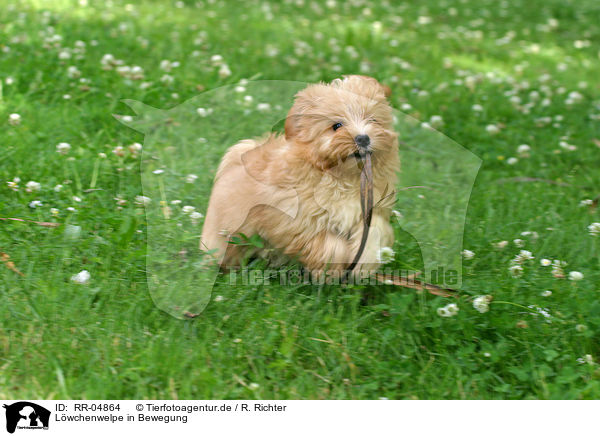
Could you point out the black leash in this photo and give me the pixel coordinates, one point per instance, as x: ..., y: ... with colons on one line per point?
x: 366, y: 205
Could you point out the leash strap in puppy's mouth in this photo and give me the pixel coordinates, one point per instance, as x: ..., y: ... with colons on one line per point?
x: 366, y: 205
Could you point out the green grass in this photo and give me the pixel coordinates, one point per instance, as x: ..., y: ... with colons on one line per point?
x: 107, y: 340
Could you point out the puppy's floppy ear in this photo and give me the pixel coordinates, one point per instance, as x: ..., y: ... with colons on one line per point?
x: 291, y: 123
x: 294, y: 116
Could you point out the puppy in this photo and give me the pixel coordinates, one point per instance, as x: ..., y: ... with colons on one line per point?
x: 301, y: 191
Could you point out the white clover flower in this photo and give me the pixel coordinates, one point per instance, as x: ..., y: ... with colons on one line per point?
x: 512, y: 160
x: 546, y: 293
x: 167, y: 65
x: 136, y: 73
x: 448, y: 310
x: 519, y: 242
x: 248, y: 99
x: 135, y: 148
x: 557, y: 269
x: 545, y: 262
x: 120, y: 201
x: 406, y: 107
x: 102, y: 155
x: 263, y: 107
x: 216, y: 59
x: 581, y: 327
x: 482, y: 303
x: 253, y: 386
x: 188, y: 209
x: 516, y: 270
x: 71, y: 209
x: 63, y: 148
x: 76, y: 199
x: 574, y: 97
x: 468, y: 254
x: 191, y: 178
x: 534, y: 235
x: 204, y: 112
x: 477, y: 108
x: 54, y: 211
x: 385, y: 255
x: 515, y: 100
x: 566, y: 146
x: 167, y: 78
x: 501, y: 244
x: 436, y: 121
x: 58, y: 188
x: 443, y: 312
x: 586, y: 202
x: 575, y: 276
x: 35, y: 203
x: 119, y: 151
x: 81, y: 278
x: 158, y: 171
x: 195, y: 217
x: 73, y: 72
x: 64, y: 55
x: 219, y: 298
x: 523, y: 150
x: 523, y: 256
x: 544, y: 312
x: 14, y: 184
x: 14, y: 119
x: 142, y: 200
x: 32, y: 186
x: 586, y: 359
x: 175, y: 202
x: 224, y: 71
x: 492, y: 129
x: 594, y: 229
x: 240, y: 89
x: 108, y: 61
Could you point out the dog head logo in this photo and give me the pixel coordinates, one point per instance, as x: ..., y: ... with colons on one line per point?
x: 184, y: 145
x: 26, y: 415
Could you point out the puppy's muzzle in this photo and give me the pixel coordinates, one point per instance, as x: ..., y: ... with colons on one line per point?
x: 363, y: 141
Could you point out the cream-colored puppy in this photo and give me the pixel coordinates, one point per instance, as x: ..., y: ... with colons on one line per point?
x: 313, y: 174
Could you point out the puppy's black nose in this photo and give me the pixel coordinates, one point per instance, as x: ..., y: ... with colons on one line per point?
x: 362, y: 141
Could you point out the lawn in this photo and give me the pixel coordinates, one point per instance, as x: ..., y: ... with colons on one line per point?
x: 516, y: 83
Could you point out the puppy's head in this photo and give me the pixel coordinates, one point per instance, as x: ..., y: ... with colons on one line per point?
x: 336, y: 122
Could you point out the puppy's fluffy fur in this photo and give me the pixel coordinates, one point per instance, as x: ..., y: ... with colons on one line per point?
x: 312, y: 172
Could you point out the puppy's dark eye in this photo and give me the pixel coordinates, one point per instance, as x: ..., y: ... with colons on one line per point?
x: 337, y: 126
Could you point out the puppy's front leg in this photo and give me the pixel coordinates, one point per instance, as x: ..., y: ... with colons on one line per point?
x: 326, y: 252
x: 381, y: 235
